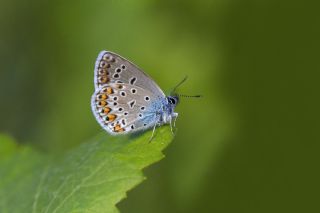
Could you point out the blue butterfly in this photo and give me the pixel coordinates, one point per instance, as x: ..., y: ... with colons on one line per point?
x: 126, y: 99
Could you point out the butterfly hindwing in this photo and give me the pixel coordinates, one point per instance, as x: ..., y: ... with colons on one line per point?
x: 122, y: 108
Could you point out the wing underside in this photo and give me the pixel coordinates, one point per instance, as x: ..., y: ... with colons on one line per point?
x: 120, y: 108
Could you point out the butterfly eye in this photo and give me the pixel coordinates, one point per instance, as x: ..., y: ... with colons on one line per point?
x: 172, y: 100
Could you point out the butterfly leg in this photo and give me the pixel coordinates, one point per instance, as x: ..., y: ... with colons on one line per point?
x: 155, y: 125
x: 175, y: 115
x: 173, y: 129
x: 171, y: 125
x: 154, y: 129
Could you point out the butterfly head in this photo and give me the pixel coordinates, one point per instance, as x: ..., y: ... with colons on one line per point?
x: 173, y: 100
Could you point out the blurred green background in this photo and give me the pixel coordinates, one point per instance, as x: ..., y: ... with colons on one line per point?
x: 250, y: 145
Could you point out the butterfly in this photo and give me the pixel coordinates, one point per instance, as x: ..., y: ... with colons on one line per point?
x: 126, y: 99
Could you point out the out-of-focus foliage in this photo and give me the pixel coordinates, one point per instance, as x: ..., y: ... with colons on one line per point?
x: 250, y: 145
x: 91, y: 178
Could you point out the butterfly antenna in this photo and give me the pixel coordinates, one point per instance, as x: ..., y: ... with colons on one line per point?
x: 190, y: 96
x: 178, y: 85
x: 180, y: 95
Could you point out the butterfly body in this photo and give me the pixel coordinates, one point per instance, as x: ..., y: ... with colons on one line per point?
x: 126, y: 99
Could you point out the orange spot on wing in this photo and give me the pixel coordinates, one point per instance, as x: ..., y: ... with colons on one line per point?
x: 102, y: 71
x: 102, y: 97
x: 102, y: 103
x: 103, y: 79
x: 104, y: 64
x: 106, y: 110
x: 118, y: 128
x: 111, y: 117
x: 109, y: 90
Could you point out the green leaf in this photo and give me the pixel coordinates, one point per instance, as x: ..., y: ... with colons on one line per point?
x: 93, y: 177
x: 7, y: 146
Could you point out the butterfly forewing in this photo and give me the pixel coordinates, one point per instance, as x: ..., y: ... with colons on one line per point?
x: 112, y: 68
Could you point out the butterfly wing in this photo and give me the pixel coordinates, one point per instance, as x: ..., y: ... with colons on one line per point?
x: 125, y: 98
x: 112, y: 68
x: 121, y: 108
